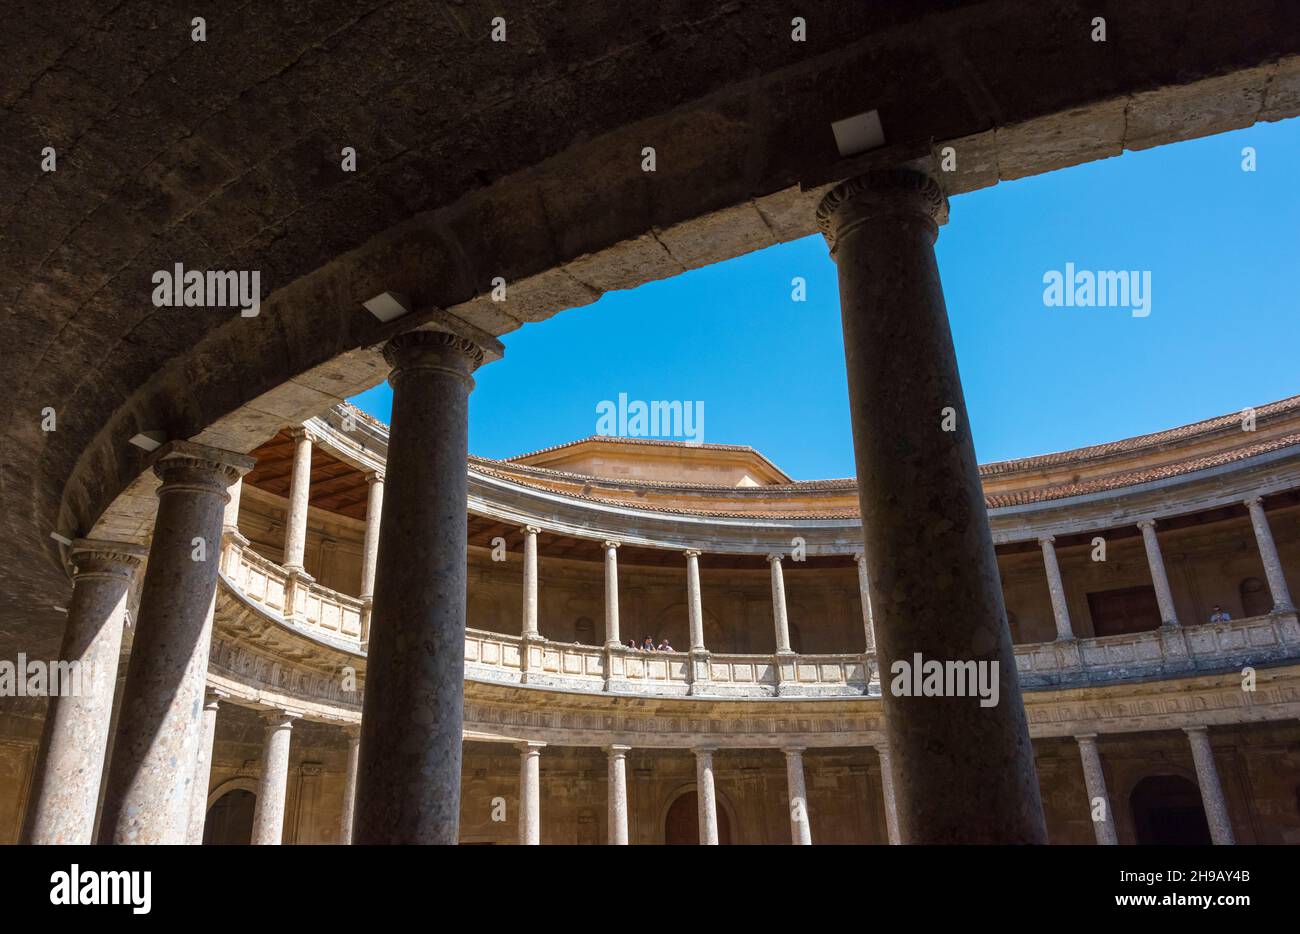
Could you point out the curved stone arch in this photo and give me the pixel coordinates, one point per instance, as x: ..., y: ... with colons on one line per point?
x: 239, y: 783
x: 724, y: 804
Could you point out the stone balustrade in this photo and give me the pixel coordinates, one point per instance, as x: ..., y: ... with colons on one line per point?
x: 305, y: 604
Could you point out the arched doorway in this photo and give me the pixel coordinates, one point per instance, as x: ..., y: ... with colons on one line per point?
x: 1167, y: 810
x: 682, y: 823
x: 230, y: 818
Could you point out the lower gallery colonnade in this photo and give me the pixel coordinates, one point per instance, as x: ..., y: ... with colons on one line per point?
x: 949, y: 769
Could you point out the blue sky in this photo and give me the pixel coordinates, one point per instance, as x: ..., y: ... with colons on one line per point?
x: 1222, y: 246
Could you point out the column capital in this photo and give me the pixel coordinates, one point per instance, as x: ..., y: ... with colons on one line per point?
x: 280, y: 719
x: 792, y: 751
x: 303, y: 433
x: 1193, y: 730
x: 530, y: 747
x: 197, y: 467
x: 1086, y: 738
x: 353, y: 732
x: 1253, y: 501
x: 98, y: 558
x: 618, y: 750
x: 704, y: 751
x: 213, y: 697
x: 877, y: 193
x: 374, y: 476
x: 692, y: 552
x: 611, y: 544
x: 433, y: 350
x: 1146, y: 523
x: 1046, y: 539
x: 775, y: 558
x: 859, y: 557
x: 531, y: 530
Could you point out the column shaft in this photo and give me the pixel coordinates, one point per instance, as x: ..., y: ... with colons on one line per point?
x: 370, y: 544
x: 887, y: 789
x: 530, y: 793
x: 779, y: 613
x: 618, y: 795
x: 65, y: 785
x: 927, y: 541
x: 1207, y: 776
x: 864, y: 591
x: 408, y: 783
x: 694, y: 605
x: 1268, y: 554
x: 203, y: 768
x: 151, y: 775
x: 350, y: 785
x: 1159, y: 579
x: 1056, y: 587
x: 706, y: 797
x: 268, y: 812
x: 530, y: 582
x: 800, y: 826
x: 1098, y: 798
x: 295, y: 525
x: 611, y: 595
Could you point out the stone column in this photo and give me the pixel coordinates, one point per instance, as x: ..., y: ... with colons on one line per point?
x: 408, y: 781
x: 295, y: 524
x: 1159, y: 579
x: 203, y: 767
x: 1268, y: 554
x: 706, y: 796
x: 864, y: 590
x: 65, y: 784
x: 800, y: 828
x: 530, y: 630
x: 887, y: 787
x: 611, y: 595
x: 694, y: 605
x: 926, y: 534
x: 1207, y: 776
x: 779, y: 614
x: 350, y: 786
x: 1095, y: 781
x: 1055, y: 587
x: 530, y: 793
x: 618, y: 795
x: 370, y: 546
x: 231, y: 538
x: 151, y: 775
x: 268, y: 812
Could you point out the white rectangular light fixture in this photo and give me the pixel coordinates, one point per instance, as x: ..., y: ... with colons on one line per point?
x: 858, y: 133
x: 388, y: 306
x: 149, y: 440
x: 61, y: 539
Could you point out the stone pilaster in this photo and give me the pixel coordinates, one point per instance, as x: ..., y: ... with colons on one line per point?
x: 706, y: 796
x: 1103, y: 819
x: 929, y: 550
x: 408, y: 782
x: 530, y: 793
x: 65, y: 784
x: 151, y: 776
x: 618, y: 794
x: 1159, y: 579
x: 1207, y: 776
x: 800, y: 826
x: 350, y: 784
x: 1268, y: 554
x: 1056, y: 588
x: 268, y: 813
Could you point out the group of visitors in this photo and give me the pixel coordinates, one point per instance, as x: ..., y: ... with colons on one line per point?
x: 648, y: 645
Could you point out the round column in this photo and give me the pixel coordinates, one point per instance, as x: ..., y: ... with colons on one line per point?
x: 268, y: 813
x: 964, y: 772
x: 618, y: 795
x: 1095, y: 781
x: 800, y: 826
x: 1268, y: 554
x: 530, y: 630
x: 1207, y: 776
x: 864, y: 591
x: 152, y: 773
x: 295, y: 526
x: 1056, y: 588
x: 350, y: 785
x: 706, y: 796
x: 1159, y: 579
x: 65, y: 786
x: 694, y: 604
x: 530, y: 793
x: 611, y: 595
x: 203, y: 767
x: 780, y: 615
x: 370, y: 544
x: 887, y: 791
x: 408, y: 785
